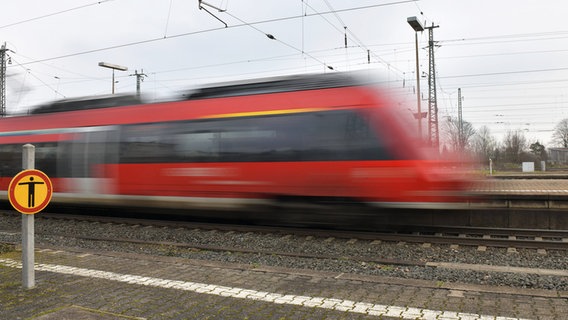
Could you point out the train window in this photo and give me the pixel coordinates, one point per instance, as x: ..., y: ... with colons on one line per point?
x: 11, y: 158
x: 146, y: 143
x: 336, y: 135
x: 46, y: 157
x: 198, y: 146
x: 314, y: 136
x: 250, y: 144
x: 238, y: 139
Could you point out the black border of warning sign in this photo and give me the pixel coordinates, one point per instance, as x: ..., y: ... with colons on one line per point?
x: 12, y: 187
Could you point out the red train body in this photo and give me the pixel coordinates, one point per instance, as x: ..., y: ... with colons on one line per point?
x: 313, y: 137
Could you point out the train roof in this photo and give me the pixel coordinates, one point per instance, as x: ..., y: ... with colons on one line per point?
x: 279, y: 84
x: 218, y: 90
x: 85, y: 103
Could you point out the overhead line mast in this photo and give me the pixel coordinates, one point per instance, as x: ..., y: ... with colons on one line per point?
x: 460, y: 121
x: 139, y: 78
x: 3, y: 80
x: 433, y: 128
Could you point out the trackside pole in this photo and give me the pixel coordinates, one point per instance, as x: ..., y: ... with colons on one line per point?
x: 28, y: 246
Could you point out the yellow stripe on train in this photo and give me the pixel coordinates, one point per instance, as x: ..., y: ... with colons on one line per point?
x: 263, y: 113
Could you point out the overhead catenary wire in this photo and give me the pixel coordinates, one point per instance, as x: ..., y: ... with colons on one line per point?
x: 54, y: 14
x: 305, y: 14
x: 272, y: 37
x: 168, y: 18
x: 511, y: 36
x: 185, y: 34
x: 353, y: 37
x: 28, y: 71
x: 491, y: 81
x: 471, y: 85
x: 203, y: 31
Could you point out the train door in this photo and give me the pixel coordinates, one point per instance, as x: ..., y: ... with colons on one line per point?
x: 83, y: 160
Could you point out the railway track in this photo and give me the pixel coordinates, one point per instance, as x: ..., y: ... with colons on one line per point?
x: 491, y: 237
x: 427, y: 235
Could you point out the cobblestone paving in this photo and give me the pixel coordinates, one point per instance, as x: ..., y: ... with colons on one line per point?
x: 107, y: 286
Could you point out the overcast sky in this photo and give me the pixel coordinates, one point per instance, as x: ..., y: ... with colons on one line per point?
x: 509, y: 57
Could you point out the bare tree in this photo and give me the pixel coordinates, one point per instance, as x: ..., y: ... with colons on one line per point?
x: 458, y: 138
x: 484, y: 144
x: 560, y: 135
x: 514, y: 144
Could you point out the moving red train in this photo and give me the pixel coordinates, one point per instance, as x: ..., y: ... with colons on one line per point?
x: 317, y: 137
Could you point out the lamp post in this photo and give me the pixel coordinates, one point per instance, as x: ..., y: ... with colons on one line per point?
x: 113, y: 67
x: 417, y: 26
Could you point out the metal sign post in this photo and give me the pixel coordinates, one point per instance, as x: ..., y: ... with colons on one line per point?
x: 28, y: 245
x: 29, y: 192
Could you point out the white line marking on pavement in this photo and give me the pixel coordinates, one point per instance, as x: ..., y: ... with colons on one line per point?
x: 240, y: 293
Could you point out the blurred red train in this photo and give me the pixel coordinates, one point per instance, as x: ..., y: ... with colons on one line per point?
x: 331, y: 136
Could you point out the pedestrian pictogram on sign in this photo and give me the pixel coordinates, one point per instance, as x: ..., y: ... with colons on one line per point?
x: 30, y: 191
